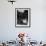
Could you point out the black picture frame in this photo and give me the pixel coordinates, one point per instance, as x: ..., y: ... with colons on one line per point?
x: 22, y: 17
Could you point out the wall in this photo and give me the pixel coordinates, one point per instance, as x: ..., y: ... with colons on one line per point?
x: 8, y: 31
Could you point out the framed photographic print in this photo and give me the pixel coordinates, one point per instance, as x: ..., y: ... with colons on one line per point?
x: 22, y: 17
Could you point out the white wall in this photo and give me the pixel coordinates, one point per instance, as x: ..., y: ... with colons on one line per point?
x: 8, y: 30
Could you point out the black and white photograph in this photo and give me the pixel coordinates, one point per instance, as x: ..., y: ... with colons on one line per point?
x: 22, y: 17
